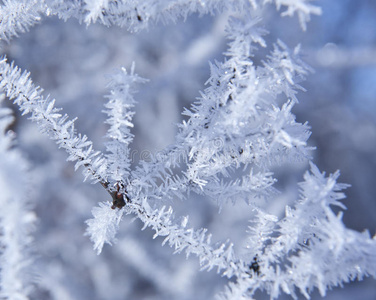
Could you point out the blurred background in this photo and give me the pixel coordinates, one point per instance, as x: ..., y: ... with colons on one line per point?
x: 70, y: 61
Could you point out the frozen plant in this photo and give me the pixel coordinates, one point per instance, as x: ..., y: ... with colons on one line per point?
x: 238, y: 131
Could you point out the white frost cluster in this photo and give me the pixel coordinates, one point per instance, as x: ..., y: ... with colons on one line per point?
x: 102, y: 229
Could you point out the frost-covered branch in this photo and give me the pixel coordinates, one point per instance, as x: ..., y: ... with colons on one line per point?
x: 140, y: 14
x: 313, y: 248
x: 17, y: 16
x: 19, y: 88
x: 192, y: 241
x: 235, y: 134
x: 102, y: 229
x: 120, y: 113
